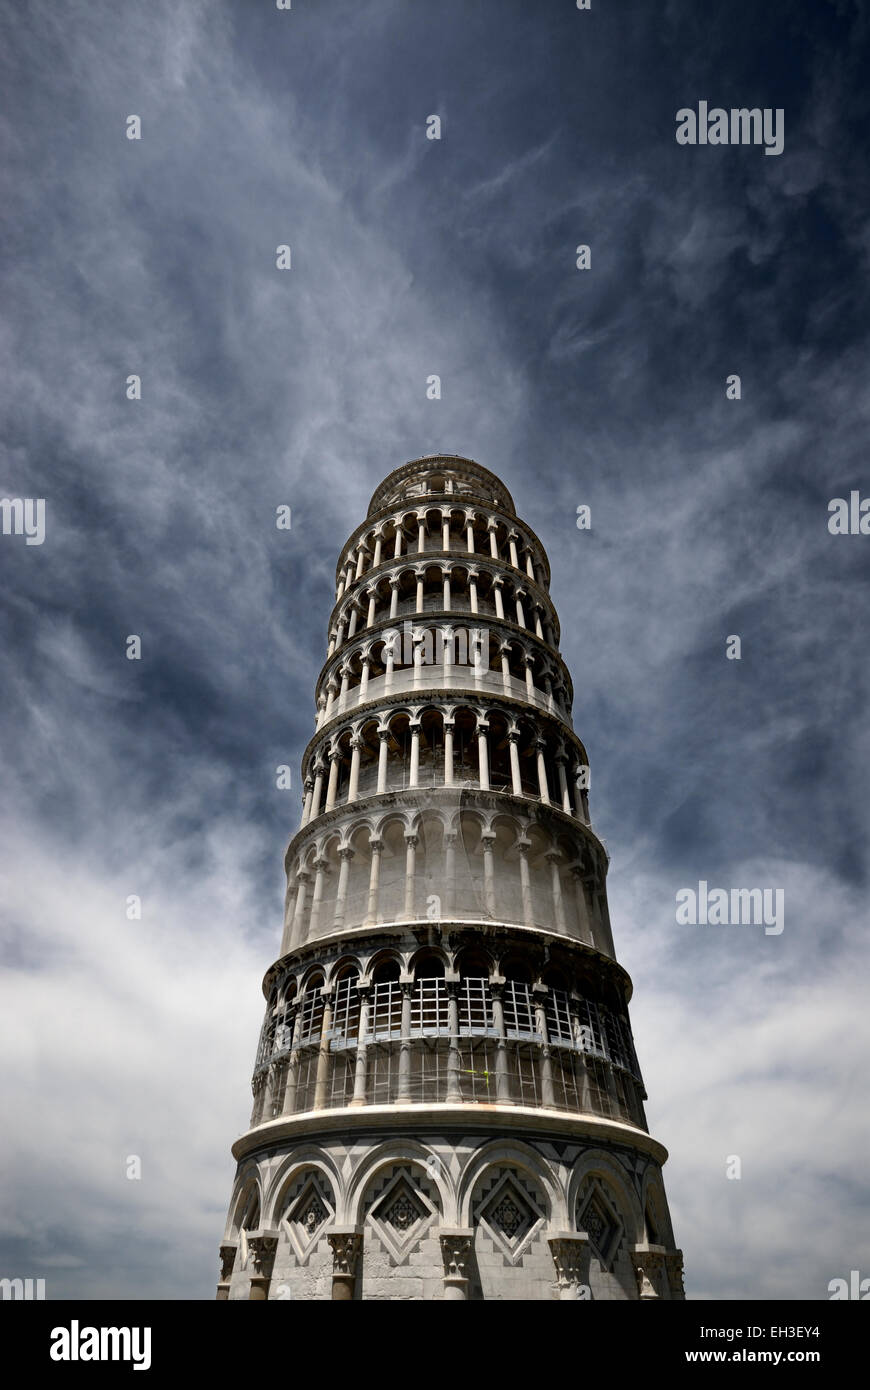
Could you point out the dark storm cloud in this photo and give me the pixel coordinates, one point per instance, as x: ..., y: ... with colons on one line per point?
x: 605, y: 387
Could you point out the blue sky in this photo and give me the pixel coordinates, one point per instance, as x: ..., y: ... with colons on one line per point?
x: 260, y: 387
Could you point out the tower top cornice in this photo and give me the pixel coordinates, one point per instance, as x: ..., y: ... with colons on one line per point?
x: 468, y: 481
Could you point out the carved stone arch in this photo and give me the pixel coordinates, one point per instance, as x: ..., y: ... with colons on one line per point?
x: 411, y: 1153
x: 304, y: 1158
x: 246, y: 1202
x: 596, y: 1165
x: 499, y: 1153
x: 657, y: 1222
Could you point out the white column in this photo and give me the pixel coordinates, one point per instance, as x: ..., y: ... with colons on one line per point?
x: 504, y: 653
x: 447, y: 671
x: 493, y: 547
x: 584, y: 925
x: 360, y: 1074
x: 553, y: 859
x: 516, y: 778
x: 354, y: 614
x: 373, y: 599
x: 353, y: 784
x: 528, y: 662
x: 445, y: 531
x: 446, y: 586
x: 394, y: 597
x: 397, y: 549
x: 543, y: 788
x: 318, y: 790
x: 345, y: 854
x: 344, y: 672
x: 499, y: 603
x: 521, y: 617
x: 320, y: 866
x: 379, y: 540
x: 410, y: 864
x: 530, y: 568
x: 512, y: 545
x: 364, y: 680
x: 414, y: 770
x: 488, y: 839
x: 306, y: 809
x: 472, y: 589
x: 448, y: 905
x: 483, y: 757
x: 331, y: 688
x: 523, y: 847
x: 539, y: 630
x: 448, y: 753
x: 469, y: 533
x: 383, y: 736
x: 333, y: 779
x: 421, y: 534
x: 303, y: 878
x: 420, y: 577
x: 375, y: 847
x: 563, y: 783
x: 360, y: 559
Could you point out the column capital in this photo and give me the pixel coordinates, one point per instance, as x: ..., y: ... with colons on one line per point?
x: 262, y: 1246
x: 346, y: 852
x: 457, y: 1244
x: 346, y: 1244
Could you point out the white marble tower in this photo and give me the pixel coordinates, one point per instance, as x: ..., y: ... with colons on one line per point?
x: 447, y: 1101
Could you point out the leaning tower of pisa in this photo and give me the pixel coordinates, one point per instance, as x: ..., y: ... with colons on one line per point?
x: 447, y: 1101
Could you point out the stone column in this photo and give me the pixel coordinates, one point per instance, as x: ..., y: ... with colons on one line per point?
x: 457, y: 1246
x: 570, y: 1251
x: 228, y: 1259
x: 364, y: 679
x: 493, y: 544
x: 414, y: 769
x: 360, y: 558
x: 421, y: 533
x: 523, y: 847
x: 512, y: 547
x: 502, y: 1079
x: 449, y: 894
x: 403, y: 1095
x: 320, y: 866
x: 488, y: 839
x: 394, y: 597
x: 445, y: 530
x: 473, y: 576
x: 379, y: 540
x: 554, y: 859
x: 332, y: 788
x: 384, y: 738
x: 584, y: 926
x: 482, y: 754
x: 499, y: 601
x: 445, y: 578
x: 361, y: 1072
x: 563, y: 783
x: 346, y: 1245
x: 649, y: 1270
x: 303, y: 878
x: 504, y: 654
x: 420, y: 576
x: 293, y: 1064
x: 375, y: 847
x: 322, y: 1079
x: 345, y: 855
x: 543, y: 788
x: 469, y: 532
x: 539, y: 994
x: 318, y: 790
x: 262, y: 1246
x: 306, y: 805
x: 373, y: 598
x: 516, y: 776
x: 448, y: 752
x: 528, y: 663
x: 397, y: 548
x: 410, y: 863
x: 356, y: 744
x: 454, y: 1091
x: 518, y: 599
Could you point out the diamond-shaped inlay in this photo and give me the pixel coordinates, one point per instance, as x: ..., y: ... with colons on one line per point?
x: 306, y: 1215
x: 602, y: 1226
x: 400, y: 1216
x: 403, y: 1212
x: 510, y: 1217
x: 507, y: 1216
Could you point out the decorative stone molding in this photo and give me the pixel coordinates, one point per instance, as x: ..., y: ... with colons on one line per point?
x: 457, y: 1249
x: 346, y: 1243
x: 570, y: 1251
